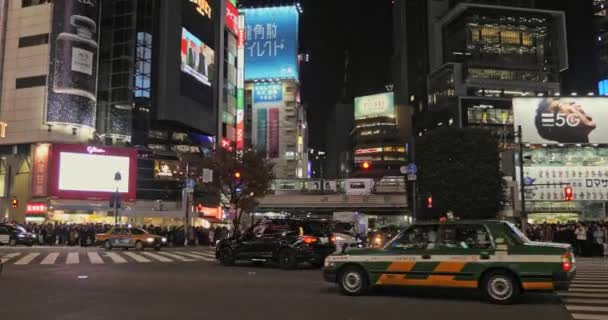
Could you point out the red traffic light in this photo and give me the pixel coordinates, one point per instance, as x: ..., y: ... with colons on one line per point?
x: 366, y: 165
x: 237, y: 175
x: 429, y: 202
x: 14, y: 203
x: 568, y: 193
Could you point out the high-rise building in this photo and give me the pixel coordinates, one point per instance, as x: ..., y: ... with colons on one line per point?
x: 274, y: 118
x: 600, y: 11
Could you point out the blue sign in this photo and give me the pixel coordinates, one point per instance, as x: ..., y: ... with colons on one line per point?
x: 603, y: 87
x: 267, y: 92
x: 411, y: 168
x: 271, y: 43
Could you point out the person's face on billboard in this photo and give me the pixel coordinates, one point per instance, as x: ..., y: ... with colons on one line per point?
x: 573, y: 110
x: 564, y: 121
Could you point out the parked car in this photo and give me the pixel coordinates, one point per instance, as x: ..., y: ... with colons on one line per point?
x: 14, y: 235
x: 285, y: 242
x: 491, y: 256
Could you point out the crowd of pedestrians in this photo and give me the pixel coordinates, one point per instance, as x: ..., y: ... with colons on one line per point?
x: 83, y: 234
x: 587, y: 238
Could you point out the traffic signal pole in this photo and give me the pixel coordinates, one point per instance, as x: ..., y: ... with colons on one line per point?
x: 522, y: 184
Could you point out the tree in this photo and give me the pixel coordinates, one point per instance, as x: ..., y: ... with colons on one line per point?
x: 460, y: 169
x: 241, y: 182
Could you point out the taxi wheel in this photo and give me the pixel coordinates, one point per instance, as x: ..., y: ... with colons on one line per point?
x: 287, y: 259
x: 139, y: 246
x: 226, y: 257
x: 500, y: 287
x: 107, y: 245
x: 353, y: 281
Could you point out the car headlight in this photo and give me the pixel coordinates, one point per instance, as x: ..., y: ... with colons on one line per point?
x: 329, y: 263
x: 164, y: 240
x: 33, y: 236
x: 150, y: 240
x: 21, y: 235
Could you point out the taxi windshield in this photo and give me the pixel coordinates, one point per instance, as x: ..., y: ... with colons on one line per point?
x: 517, y: 233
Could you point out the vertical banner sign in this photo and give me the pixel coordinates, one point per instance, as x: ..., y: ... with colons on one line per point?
x: 72, y: 79
x: 273, y: 133
x: 262, y: 136
x: 271, y: 42
x: 240, y: 85
x: 232, y: 16
x: 40, y: 171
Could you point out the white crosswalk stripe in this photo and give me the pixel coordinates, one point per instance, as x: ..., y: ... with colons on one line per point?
x: 157, y: 257
x: 106, y: 257
x: 116, y: 258
x: 587, y: 298
x: 50, y: 258
x: 27, y: 258
x: 137, y: 257
x: 73, y: 258
x: 95, y: 258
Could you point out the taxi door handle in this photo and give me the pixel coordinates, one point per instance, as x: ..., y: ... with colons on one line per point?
x: 426, y: 257
x: 484, y: 256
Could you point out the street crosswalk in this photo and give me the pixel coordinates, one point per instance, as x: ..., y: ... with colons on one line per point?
x: 587, y: 298
x: 104, y: 257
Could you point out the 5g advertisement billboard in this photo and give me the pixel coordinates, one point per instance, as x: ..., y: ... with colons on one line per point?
x: 74, y: 52
x: 271, y: 43
x: 377, y: 105
x: 562, y: 120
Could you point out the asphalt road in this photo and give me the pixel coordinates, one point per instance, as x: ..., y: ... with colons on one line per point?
x: 206, y: 290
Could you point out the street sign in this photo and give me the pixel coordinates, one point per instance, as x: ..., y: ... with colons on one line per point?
x: 412, y: 177
x: 412, y: 169
x: 403, y: 170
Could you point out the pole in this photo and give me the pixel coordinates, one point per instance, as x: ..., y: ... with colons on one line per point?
x: 185, y: 200
x: 321, y: 158
x: 414, y: 201
x: 116, y: 195
x: 522, y: 189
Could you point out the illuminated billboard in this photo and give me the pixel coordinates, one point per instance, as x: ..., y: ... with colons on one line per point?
x: 264, y: 92
x: 378, y: 105
x: 74, y: 52
x: 271, y: 43
x: 88, y: 172
x: 562, y: 120
x: 197, y: 58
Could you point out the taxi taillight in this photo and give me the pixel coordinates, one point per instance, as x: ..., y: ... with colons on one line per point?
x: 309, y: 239
x: 567, y: 262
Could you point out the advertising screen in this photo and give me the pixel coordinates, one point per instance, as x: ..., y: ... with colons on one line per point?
x: 88, y: 172
x: 197, y: 58
x: 267, y: 92
x: 378, y: 105
x: 72, y: 79
x: 562, y: 120
x: 232, y: 16
x: 271, y: 43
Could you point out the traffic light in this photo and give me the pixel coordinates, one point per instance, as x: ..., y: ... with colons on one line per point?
x: 429, y: 202
x: 14, y: 203
x: 568, y: 193
x: 237, y: 175
x: 366, y: 165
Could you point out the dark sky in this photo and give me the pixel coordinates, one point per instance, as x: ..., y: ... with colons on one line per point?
x: 328, y: 29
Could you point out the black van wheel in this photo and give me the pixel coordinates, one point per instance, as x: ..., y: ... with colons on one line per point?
x: 107, y: 245
x: 287, y: 259
x: 500, y: 287
x: 353, y: 281
x: 226, y: 257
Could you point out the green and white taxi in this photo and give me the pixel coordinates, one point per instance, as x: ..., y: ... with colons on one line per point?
x: 493, y: 256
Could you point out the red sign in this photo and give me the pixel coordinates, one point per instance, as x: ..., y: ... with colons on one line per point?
x: 232, y: 18
x: 36, y: 208
x: 40, y: 177
x: 226, y: 144
x: 240, y: 135
x: 241, y: 43
x: 366, y: 151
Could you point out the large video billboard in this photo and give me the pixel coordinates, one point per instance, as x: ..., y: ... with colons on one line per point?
x: 562, y: 120
x: 377, y: 105
x: 271, y: 49
x: 88, y: 172
x: 197, y: 58
x: 72, y: 79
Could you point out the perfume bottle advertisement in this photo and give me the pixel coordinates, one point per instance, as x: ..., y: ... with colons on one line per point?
x: 74, y: 52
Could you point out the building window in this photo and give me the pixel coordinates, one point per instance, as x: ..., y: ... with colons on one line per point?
x: 29, y: 3
x: 36, y: 40
x: 30, y: 82
x: 143, y: 65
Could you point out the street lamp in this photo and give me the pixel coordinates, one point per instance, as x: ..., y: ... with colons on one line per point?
x: 116, y: 202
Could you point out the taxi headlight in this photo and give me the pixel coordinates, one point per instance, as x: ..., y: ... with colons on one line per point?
x: 150, y: 240
x: 329, y: 263
x: 164, y: 240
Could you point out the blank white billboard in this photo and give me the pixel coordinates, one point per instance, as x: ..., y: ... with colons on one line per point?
x: 92, y: 173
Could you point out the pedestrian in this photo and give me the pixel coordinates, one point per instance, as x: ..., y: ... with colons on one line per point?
x: 581, y: 238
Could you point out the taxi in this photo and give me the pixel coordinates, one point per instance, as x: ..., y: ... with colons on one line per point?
x: 125, y: 237
x: 494, y: 257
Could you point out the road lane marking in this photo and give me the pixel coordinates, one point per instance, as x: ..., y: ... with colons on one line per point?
x: 584, y: 301
x: 27, y: 258
x: 137, y: 257
x: 587, y: 295
x: 95, y: 258
x: 204, y: 254
x: 195, y: 256
x: 574, y: 285
x: 579, y: 316
x: 10, y: 256
x: 586, y: 308
x: 156, y: 256
x: 116, y: 258
x: 50, y: 258
x: 577, y: 289
x: 73, y: 258
x: 174, y: 256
